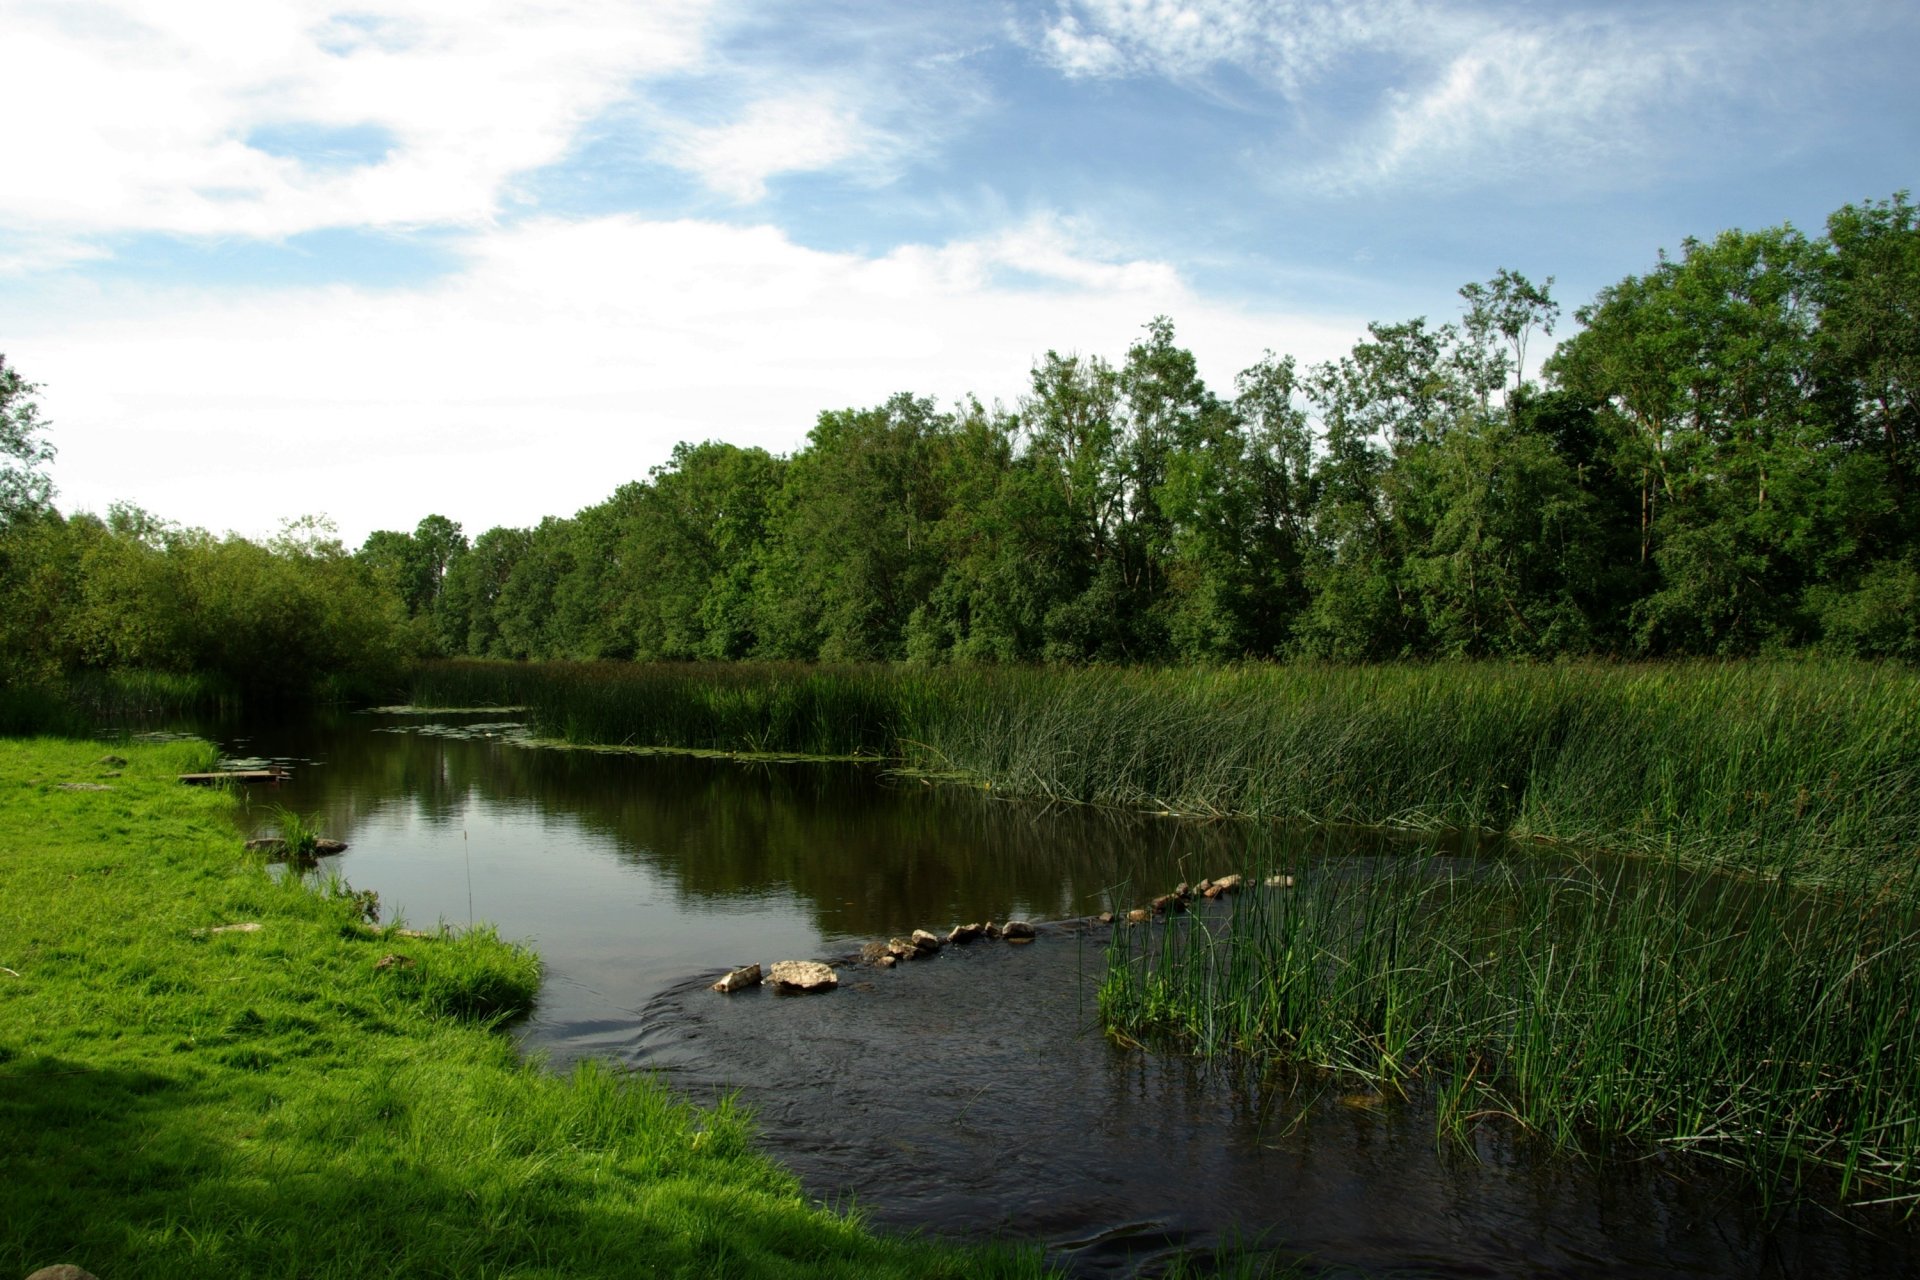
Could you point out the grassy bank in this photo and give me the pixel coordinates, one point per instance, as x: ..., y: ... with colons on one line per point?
x: 1813, y: 766
x: 324, y: 1096
x: 1749, y: 1020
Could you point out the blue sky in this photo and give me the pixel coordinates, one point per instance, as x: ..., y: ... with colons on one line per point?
x: 493, y: 259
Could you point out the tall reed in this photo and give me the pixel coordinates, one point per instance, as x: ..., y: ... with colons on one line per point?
x: 1752, y: 1020
x: 1809, y: 766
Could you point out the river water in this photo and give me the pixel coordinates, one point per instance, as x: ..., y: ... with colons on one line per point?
x: 971, y: 1094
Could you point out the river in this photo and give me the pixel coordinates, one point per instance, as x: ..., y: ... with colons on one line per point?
x: 971, y: 1094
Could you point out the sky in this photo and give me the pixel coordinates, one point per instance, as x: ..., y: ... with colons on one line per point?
x: 491, y: 259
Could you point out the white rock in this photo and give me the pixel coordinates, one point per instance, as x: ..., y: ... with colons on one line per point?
x: 802, y: 975
x: 739, y: 980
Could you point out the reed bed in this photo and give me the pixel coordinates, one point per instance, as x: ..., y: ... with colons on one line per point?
x: 1812, y: 768
x: 1643, y: 1005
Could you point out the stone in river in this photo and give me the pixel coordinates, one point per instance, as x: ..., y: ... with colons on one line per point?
x: 1279, y: 882
x: 964, y: 933
x: 739, y: 980
x: 1016, y: 931
x: 802, y: 975
x: 927, y: 942
x: 901, y: 948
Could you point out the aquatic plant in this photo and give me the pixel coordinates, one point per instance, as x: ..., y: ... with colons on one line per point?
x: 1755, y: 1021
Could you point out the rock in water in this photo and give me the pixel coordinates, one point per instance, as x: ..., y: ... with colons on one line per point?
x: 739, y: 980
x: 324, y: 847
x: 1279, y: 882
x: 1017, y: 931
x: 1139, y: 915
x: 62, y: 1271
x: 802, y: 975
x: 925, y: 942
x: 964, y: 933
x: 1229, y: 884
x: 902, y: 948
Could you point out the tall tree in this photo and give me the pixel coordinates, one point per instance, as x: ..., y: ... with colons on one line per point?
x: 24, y: 485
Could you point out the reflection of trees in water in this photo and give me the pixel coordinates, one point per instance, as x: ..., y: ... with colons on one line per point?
x: 869, y: 854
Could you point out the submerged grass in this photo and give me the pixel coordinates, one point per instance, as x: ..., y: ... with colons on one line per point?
x: 1754, y: 1021
x: 1813, y: 767
x: 313, y: 1095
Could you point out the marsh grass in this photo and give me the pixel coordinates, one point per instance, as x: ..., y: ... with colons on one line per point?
x: 1634, y: 1004
x: 321, y: 1097
x: 1810, y: 768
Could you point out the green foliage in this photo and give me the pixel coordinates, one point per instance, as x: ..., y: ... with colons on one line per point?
x: 24, y: 486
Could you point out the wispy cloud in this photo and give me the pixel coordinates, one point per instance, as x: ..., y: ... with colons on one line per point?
x: 1384, y: 92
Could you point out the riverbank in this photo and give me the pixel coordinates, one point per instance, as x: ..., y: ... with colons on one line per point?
x: 324, y: 1095
x: 1804, y: 768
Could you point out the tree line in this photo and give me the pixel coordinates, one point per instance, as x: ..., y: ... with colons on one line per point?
x: 1719, y: 461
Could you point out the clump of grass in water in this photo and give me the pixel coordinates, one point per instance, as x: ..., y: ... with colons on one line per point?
x: 1754, y: 1022
x: 297, y: 833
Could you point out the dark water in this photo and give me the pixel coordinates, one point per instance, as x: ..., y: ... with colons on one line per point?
x: 970, y: 1094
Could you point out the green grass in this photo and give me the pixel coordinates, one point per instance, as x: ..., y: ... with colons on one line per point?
x: 1812, y: 767
x: 1761, y: 1024
x: 321, y: 1096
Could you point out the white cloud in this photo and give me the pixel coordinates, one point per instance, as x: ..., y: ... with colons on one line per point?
x: 791, y: 133
x: 567, y: 358
x: 141, y: 109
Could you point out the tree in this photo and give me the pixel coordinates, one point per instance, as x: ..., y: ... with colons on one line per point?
x: 24, y: 486
x: 1511, y: 307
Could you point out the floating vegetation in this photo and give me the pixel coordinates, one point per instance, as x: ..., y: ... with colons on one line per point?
x: 407, y: 709
x: 511, y: 730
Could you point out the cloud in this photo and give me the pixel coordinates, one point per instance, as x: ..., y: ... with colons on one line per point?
x: 792, y: 133
x: 569, y: 356
x: 1283, y: 42
x: 1377, y: 93
x: 143, y: 109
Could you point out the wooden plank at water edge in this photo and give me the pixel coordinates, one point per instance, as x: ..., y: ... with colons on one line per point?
x: 272, y: 775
